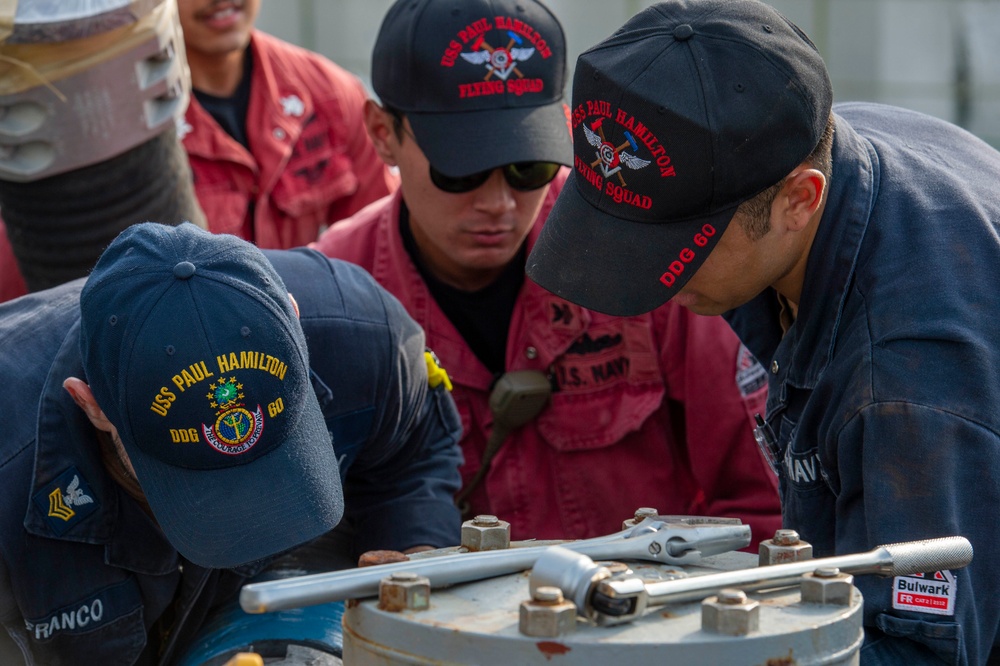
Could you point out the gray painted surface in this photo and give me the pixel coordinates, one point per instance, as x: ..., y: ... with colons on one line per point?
x: 478, y: 623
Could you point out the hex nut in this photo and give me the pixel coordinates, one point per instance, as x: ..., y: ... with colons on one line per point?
x: 827, y: 586
x: 404, y: 591
x: 784, y: 547
x: 641, y: 514
x: 485, y: 533
x: 547, y: 614
x: 730, y: 613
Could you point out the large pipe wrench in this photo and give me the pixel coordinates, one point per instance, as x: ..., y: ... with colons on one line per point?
x: 677, y: 540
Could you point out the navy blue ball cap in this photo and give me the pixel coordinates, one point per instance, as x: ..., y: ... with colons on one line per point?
x: 193, y: 349
x: 481, y: 81
x: 688, y: 110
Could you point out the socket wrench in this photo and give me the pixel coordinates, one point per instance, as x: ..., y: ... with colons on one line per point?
x: 663, y: 539
x: 608, y: 601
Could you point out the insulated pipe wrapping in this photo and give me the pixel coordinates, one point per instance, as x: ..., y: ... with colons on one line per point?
x: 89, y: 102
x: 58, y: 226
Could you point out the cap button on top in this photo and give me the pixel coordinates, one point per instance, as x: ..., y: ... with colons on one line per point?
x: 683, y: 32
x: 184, y: 270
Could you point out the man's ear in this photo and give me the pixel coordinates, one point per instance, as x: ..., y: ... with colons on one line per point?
x: 380, y: 126
x: 80, y: 391
x: 801, y: 197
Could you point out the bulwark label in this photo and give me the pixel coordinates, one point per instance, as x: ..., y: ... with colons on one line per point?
x: 925, y: 593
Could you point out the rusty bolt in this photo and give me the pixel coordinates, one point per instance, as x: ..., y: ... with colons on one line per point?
x: 730, y: 613
x: 373, y: 557
x: 731, y: 597
x: 485, y: 533
x: 785, y: 537
x: 615, y: 568
x: 485, y: 521
x: 641, y: 514
x: 404, y: 590
x: 547, y: 614
x: 828, y: 586
x: 645, y: 512
x: 784, y: 547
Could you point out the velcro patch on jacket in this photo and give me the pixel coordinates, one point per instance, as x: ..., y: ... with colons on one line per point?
x: 750, y: 375
x: 562, y: 314
x: 804, y: 469
x: 86, y: 615
x: 925, y: 593
x: 83, y: 617
x: 65, y: 501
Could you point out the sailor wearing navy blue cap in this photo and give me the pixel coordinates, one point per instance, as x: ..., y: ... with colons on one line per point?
x: 178, y: 420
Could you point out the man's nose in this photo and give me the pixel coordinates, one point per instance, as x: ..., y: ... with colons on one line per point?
x: 495, y: 196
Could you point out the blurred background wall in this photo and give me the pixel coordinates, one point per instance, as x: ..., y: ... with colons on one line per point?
x: 941, y: 57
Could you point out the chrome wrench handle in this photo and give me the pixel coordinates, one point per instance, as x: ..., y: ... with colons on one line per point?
x: 650, y: 540
x: 899, y: 559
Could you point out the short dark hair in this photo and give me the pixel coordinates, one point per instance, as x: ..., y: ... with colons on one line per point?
x: 756, y: 212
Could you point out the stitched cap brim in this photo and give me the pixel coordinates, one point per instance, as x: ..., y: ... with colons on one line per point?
x: 459, y: 144
x: 224, y: 518
x: 616, y: 266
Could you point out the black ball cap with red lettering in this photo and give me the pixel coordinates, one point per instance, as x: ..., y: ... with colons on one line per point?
x: 481, y: 81
x: 689, y: 109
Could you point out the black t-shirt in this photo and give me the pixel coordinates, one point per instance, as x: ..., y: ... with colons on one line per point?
x: 231, y: 112
x: 482, y: 317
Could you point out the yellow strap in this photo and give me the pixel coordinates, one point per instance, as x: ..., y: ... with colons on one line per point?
x: 435, y: 373
x: 245, y: 659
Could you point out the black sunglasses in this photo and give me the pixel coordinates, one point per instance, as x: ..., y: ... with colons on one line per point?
x: 522, y: 176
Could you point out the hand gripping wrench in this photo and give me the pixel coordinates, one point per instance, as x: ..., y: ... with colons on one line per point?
x: 665, y: 539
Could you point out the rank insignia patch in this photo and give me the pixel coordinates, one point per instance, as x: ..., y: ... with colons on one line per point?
x: 65, y: 501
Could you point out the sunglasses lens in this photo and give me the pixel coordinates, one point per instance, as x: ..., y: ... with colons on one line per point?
x: 530, y: 175
x: 523, y: 176
x: 458, y: 184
